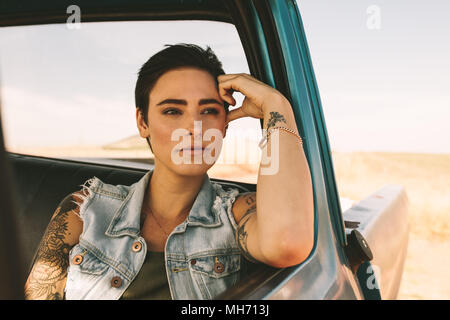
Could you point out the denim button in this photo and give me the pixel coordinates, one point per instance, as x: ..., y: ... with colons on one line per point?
x: 116, y: 282
x: 77, y: 259
x: 219, y: 267
x: 193, y: 261
x: 137, y: 246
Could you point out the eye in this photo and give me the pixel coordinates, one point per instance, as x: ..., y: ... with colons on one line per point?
x: 171, y: 111
x: 212, y: 111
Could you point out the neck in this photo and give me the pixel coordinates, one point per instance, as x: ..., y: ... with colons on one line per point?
x: 171, y: 196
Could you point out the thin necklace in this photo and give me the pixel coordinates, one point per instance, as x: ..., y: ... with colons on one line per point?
x: 156, y: 220
x: 151, y: 212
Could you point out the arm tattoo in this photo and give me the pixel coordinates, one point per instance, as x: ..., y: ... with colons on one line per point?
x: 274, y: 118
x: 52, y: 260
x: 242, y: 234
x: 250, y: 200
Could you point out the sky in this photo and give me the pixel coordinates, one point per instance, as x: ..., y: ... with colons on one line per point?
x: 384, y: 89
x: 382, y: 70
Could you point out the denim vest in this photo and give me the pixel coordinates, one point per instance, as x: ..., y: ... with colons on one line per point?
x: 201, y: 254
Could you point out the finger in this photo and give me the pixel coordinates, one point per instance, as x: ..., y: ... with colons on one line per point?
x: 228, y: 87
x: 224, y: 77
x: 228, y: 97
x: 235, y: 114
x: 247, y: 76
x: 233, y: 101
x: 244, y: 84
x: 226, y: 93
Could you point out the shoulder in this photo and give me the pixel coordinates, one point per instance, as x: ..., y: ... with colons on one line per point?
x: 72, y: 202
x: 240, y: 203
x: 244, y: 204
x: 223, y: 193
x: 68, y: 211
x: 96, y: 186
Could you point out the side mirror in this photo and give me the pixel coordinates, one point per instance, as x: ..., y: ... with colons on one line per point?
x: 357, y: 250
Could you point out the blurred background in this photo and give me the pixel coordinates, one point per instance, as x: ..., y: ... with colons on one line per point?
x: 381, y: 68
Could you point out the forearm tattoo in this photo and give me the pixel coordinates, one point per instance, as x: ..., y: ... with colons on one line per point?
x: 275, y: 117
x: 242, y: 234
x: 52, y: 260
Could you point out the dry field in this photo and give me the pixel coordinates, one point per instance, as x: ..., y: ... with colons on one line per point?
x: 426, y: 180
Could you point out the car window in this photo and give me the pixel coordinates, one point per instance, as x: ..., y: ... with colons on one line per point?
x: 68, y: 93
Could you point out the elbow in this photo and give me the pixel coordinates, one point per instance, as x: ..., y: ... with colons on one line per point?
x: 289, y: 251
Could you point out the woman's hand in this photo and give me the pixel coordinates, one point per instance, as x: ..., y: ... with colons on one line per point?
x: 259, y: 97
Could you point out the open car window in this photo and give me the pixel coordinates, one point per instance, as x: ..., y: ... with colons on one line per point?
x: 68, y: 93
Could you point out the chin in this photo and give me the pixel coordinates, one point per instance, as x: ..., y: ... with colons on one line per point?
x: 193, y: 164
x: 191, y: 169
x: 187, y: 166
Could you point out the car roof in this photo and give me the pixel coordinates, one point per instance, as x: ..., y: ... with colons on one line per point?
x: 27, y: 12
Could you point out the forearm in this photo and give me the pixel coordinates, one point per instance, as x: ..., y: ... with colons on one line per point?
x: 41, y: 285
x: 285, y: 215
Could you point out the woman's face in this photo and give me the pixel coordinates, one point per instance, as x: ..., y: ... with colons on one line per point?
x: 178, y: 98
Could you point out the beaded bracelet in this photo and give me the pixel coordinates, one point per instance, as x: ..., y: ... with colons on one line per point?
x: 263, y: 141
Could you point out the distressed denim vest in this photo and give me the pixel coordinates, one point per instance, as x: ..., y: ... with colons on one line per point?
x: 201, y: 254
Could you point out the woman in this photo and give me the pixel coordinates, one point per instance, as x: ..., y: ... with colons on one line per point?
x: 174, y: 234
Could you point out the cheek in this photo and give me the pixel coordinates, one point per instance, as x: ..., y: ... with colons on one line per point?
x: 215, y: 130
x: 220, y: 125
x: 215, y: 122
x: 162, y: 134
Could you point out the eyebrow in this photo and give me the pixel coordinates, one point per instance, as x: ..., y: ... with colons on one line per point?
x: 184, y: 102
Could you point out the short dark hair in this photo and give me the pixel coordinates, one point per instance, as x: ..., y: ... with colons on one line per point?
x: 175, y: 56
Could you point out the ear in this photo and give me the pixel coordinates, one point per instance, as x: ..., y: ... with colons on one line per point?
x: 225, y: 131
x: 142, y: 126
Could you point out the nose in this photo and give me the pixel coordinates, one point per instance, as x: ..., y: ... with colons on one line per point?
x: 196, y: 134
x: 194, y: 126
